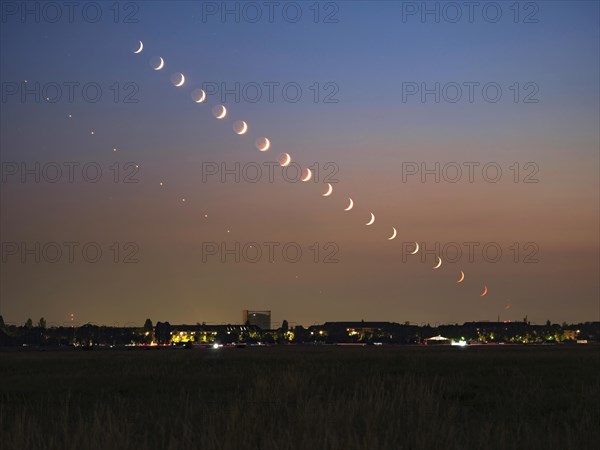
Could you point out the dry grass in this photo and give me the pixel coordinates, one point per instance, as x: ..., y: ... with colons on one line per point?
x: 302, y: 398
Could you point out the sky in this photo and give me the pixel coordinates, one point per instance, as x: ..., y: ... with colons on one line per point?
x: 470, y: 130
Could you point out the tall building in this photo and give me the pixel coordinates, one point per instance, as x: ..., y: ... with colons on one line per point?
x: 261, y: 319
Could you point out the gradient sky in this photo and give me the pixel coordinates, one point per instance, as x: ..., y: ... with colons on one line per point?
x: 369, y: 133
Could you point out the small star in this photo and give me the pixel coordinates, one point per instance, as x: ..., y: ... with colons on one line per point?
x: 70, y: 116
x: 205, y: 215
x: 91, y: 132
x: 137, y: 167
x: 25, y: 81
x: 161, y: 183
x: 228, y: 231
x: 114, y: 149
x: 183, y: 199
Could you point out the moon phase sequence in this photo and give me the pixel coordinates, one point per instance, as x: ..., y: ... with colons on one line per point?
x: 263, y: 144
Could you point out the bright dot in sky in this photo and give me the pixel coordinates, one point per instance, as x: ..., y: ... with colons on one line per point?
x: 161, y: 183
x: 25, y: 81
x: 183, y: 199
x: 137, y: 167
x: 205, y: 215
x: 114, y: 149
x: 70, y: 116
x: 228, y: 231
x: 91, y: 132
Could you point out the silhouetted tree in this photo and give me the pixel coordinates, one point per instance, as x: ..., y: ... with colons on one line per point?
x: 29, y: 323
x: 42, y: 324
x: 2, y: 326
x: 148, y: 325
x: 284, y: 326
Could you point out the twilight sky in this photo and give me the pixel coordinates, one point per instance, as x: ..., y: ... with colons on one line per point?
x: 544, y: 128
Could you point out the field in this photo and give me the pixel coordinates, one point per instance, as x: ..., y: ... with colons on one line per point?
x: 302, y: 398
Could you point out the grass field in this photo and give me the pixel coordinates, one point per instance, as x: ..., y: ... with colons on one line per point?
x: 302, y: 398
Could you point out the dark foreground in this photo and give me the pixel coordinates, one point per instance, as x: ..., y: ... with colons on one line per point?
x: 302, y: 398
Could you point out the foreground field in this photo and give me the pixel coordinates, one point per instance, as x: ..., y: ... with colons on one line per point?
x: 302, y: 398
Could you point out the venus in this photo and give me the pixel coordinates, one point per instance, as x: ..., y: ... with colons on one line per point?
x: 439, y: 263
x: 329, y: 190
x: 462, y: 277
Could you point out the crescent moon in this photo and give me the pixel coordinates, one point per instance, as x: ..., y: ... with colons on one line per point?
x: 199, y: 95
x: 350, y: 206
x: 393, y: 235
x: 370, y: 222
x: 263, y: 144
x: 308, y: 175
x: 437, y: 266
x: 181, y: 82
x: 288, y: 160
x: 244, y: 127
x: 485, y: 291
x: 222, y: 114
x: 416, y: 249
x: 161, y: 64
x: 329, y: 190
x: 139, y: 50
x: 462, y: 277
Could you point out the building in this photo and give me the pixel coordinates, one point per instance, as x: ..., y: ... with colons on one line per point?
x: 261, y: 319
x: 437, y: 340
